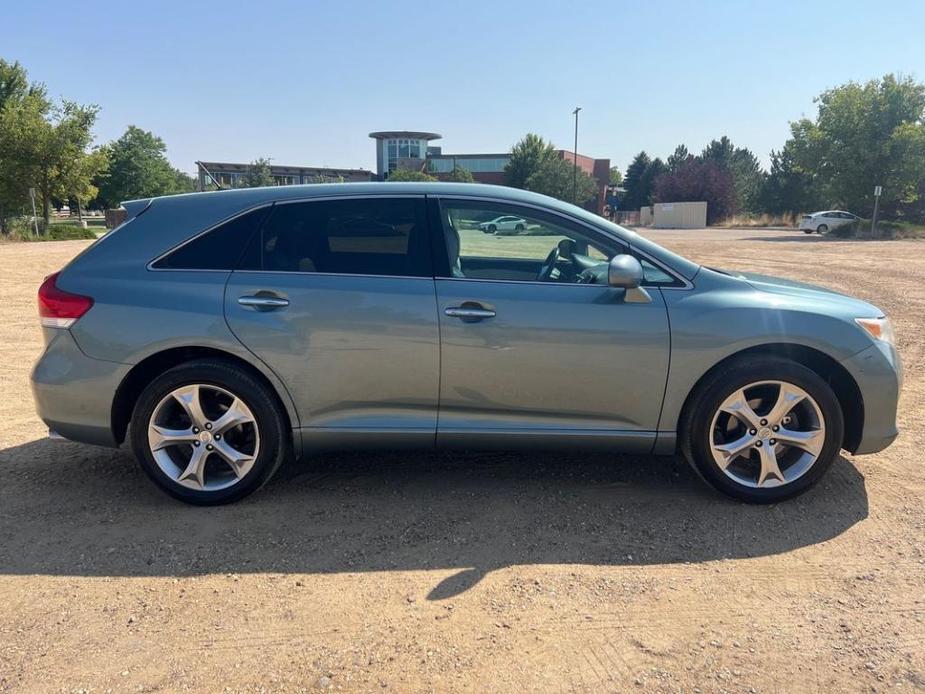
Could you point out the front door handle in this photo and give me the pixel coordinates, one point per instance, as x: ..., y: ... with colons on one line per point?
x: 263, y: 302
x: 469, y: 313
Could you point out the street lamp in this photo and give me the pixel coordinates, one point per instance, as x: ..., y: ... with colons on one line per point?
x: 575, y: 152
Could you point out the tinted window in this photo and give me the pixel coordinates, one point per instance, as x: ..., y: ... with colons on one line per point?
x: 372, y: 236
x: 218, y: 249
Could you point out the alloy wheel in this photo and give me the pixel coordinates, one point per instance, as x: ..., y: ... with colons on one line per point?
x: 767, y: 434
x: 203, y: 437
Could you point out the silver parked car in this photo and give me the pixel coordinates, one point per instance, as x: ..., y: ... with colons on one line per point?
x: 821, y: 222
x: 223, y: 333
x: 503, y: 223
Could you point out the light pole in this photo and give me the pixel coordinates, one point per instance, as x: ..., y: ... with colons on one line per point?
x: 575, y: 152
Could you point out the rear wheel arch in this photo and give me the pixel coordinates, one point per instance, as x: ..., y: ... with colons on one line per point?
x: 845, y: 387
x: 145, y: 371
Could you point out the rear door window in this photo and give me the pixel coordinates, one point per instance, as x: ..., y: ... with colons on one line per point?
x: 366, y: 236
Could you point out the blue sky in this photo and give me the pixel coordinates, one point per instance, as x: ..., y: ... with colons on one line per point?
x: 305, y: 82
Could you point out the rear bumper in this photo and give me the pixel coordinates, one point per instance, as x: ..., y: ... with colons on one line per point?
x: 878, y: 373
x: 73, y: 392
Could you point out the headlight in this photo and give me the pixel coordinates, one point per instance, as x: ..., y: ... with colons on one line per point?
x: 878, y: 328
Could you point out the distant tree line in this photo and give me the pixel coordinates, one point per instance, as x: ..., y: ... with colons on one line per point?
x: 863, y: 135
x: 48, y: 147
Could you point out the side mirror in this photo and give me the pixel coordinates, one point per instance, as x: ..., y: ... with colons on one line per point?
x: 624, y: 272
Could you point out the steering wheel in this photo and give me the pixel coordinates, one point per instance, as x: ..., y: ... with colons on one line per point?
x: 545, y: 273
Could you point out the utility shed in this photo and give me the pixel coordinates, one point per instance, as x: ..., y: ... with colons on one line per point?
x: 679, y: 215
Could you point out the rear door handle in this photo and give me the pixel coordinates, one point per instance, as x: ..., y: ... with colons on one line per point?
x: 263, y: 303
x: 469, y: 313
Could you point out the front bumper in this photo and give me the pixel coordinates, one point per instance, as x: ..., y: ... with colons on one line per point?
x: 73, y: 392
x: 878, y: 373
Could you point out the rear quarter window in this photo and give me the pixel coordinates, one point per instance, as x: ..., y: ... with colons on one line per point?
x: 217, y: 249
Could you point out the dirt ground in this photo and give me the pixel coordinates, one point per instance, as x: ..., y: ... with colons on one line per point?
x: 501, y: 572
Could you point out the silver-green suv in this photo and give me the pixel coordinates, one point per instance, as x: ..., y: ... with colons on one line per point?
x: 222, y: 333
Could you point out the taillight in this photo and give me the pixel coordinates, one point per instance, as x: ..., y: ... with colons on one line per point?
x: 58, y: 308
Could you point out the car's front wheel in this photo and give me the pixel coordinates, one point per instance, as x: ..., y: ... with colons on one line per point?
x: 207, y: 432
x: 763, y: 429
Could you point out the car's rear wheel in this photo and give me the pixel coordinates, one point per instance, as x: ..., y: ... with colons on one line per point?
x: 519, y: 227
x: 807, y: 231
x: 207, y: 432
x: 763, y: 429
x: 822, y: 228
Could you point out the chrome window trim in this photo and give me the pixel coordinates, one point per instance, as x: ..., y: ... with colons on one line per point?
x: 270, y: 203
x: 327, y: 274
x: 687, y: 284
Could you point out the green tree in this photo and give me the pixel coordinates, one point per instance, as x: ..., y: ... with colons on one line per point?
x: 678, y: 158
x: 23, y: 109
x: 258, y: 174
x: 400, y: 175
x: 788, y: 189
x: 747, y: 174
x: 527, y: 156
x: 556, y: 176
x: 460, y: 174
x: 865, y: 135
x: 15, y: 85
x: 655, y: 169
x: 636, y: 195
x: 616, y: 178
x: 720, y: 151
x: 49, y: 148
x: 138, y: 168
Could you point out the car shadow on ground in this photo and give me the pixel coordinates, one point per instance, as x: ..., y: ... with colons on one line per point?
x: 67, y: 509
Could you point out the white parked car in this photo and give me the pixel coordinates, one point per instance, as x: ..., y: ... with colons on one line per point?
x: 821, y: 222
x: 506, y: 223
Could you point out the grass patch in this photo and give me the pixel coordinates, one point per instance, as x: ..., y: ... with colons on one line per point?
x: 744, y: 221
x: 886, y: 231
x: 22, y: 230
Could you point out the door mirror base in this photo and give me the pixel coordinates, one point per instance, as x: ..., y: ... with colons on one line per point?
x: 637, y: 295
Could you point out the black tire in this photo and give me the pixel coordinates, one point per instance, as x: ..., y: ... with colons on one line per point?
x: 519, y: 227
x: 725, y: 380
x: 822, y: 228
x: 275, y: 434
x: 492, y: 228
x: 807, y: 231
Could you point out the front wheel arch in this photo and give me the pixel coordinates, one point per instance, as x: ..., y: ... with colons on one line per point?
x: 843, y: 383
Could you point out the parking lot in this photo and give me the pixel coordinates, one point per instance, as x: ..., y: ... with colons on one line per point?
x: 487, y: 572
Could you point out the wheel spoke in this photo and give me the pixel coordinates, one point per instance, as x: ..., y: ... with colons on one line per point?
x: 769, y: 466
x: 737, y: 405
x: 161, y: 437
x: 235, y: 415
x: 809, y: 441
x: 788, y: 397
x: 184, y: 453
x: 240, y: 462
x: 189, y: 400
x: 196, y: 467
x: 732, y: 450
